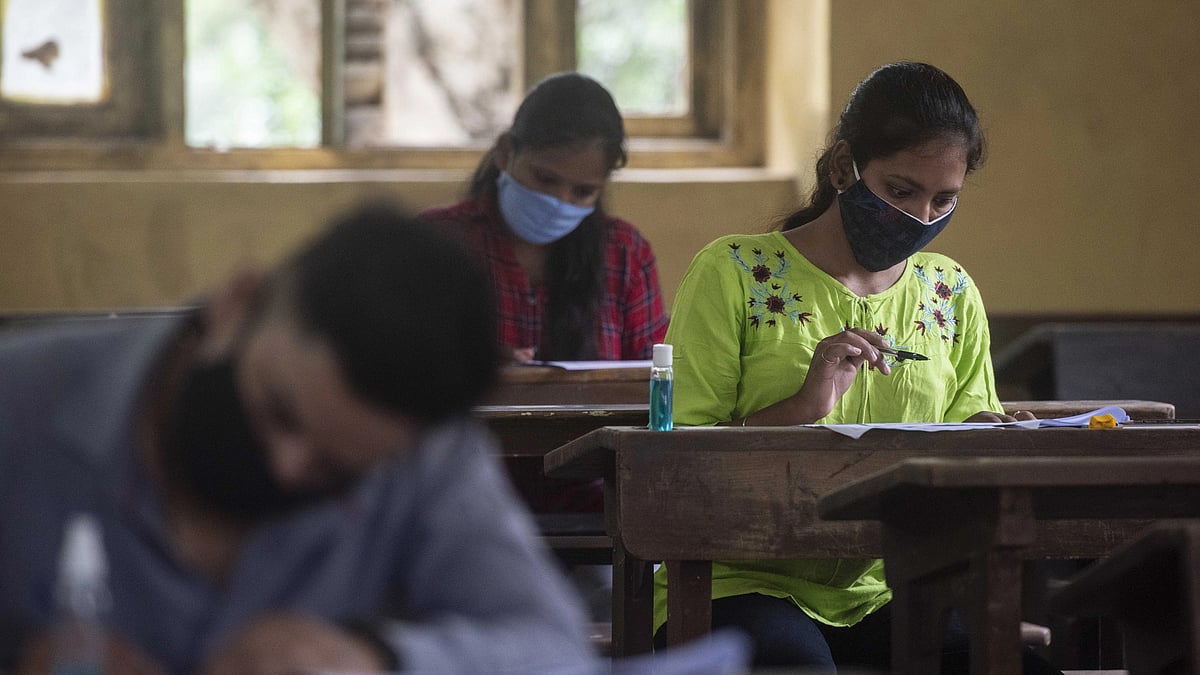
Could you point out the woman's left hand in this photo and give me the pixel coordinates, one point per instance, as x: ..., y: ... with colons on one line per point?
x: 988, y: 416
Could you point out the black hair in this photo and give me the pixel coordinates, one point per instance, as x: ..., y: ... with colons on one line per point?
x: 562, y: 109
x: 407, y: 311
x: 897, y: 107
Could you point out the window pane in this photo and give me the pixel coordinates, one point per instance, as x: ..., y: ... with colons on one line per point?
x: 639, y: 50
x: 53, y: 51
x: 450, y: 73
x: 253, y: 73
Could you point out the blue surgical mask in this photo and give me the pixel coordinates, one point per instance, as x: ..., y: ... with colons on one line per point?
x: 880, y: 234
x: 536, y: 217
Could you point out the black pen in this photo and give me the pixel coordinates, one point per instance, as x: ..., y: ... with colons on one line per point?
x: 902, y: 355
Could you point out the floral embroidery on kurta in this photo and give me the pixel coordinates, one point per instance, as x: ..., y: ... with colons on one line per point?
x: 936, y: 315
x: 769, y: 296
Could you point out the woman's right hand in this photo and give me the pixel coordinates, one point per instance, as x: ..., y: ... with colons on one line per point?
x: 521, y: 354
x: 835, y: 363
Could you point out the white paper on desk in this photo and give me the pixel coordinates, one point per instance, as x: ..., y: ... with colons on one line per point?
x: 1081, y: 420
x: 592, y: 365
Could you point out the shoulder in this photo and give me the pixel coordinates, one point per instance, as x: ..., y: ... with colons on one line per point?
x: 87, y: 372
x: 934, y: 267
x: 733, y: 247
x: 449, y: 448
x: 932, y: 260
x: 59, y: 347
x: 452, y: 470
x: 623, y: 234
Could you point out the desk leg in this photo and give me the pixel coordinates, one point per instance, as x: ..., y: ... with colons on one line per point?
x: 971, y: 561
x: 633, y: 603
x: 689, y: 600
x: 918, y: 627
x: 995, y: 584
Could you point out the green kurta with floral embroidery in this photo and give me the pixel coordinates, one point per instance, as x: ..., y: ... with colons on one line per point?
x: 746, y: 318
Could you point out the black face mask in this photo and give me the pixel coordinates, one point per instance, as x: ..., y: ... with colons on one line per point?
x: 211, y: 451
x: 880, y: 234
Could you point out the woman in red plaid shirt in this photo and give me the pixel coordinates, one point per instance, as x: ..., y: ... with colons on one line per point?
x: 572, y: 282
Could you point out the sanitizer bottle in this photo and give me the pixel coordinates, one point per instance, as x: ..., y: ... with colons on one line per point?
x: 662, y: 388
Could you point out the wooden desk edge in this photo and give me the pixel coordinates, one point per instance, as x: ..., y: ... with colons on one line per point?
x: 589, y: 456
x: 1136, y: 409
x: 864, y: 499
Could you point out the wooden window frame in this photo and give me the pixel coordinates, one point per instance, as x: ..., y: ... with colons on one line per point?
x: 129, y: 109
x: 724, y: 126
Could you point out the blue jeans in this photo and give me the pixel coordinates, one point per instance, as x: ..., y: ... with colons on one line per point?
x: 783, y: 635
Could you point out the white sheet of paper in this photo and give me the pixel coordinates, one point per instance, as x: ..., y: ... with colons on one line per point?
x: 593, y: 365
x: 1081, y: 420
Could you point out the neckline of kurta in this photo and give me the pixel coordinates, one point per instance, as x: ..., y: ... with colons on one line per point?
x: 827, y: 280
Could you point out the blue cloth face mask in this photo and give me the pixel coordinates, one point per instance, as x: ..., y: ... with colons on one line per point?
x: 880, y: 234
x: 535, y: 217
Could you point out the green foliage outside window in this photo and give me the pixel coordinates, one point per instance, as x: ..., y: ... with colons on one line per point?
x: 638, y: 49
x: 241, y: 91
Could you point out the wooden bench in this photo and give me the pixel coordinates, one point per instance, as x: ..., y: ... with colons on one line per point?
x: 1152, y: 588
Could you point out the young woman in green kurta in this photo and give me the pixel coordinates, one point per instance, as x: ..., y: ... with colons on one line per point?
x: 787, y: 328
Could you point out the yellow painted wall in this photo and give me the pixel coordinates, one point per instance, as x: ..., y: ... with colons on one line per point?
x: 112, y: 240
x: 1092, y: 107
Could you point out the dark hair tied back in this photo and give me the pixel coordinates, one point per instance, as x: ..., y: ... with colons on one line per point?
x: 897, y: 107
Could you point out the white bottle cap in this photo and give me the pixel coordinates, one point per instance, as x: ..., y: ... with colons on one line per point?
x: 663, y: 356
x: 82, y: 560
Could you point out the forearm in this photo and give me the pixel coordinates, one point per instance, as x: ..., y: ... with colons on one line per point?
x: 792, y: 410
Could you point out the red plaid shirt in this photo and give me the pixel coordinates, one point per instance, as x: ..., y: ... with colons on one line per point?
x: 632, y: 317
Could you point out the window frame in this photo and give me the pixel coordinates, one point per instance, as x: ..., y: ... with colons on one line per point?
x: 128, y: 109
x: 724, y: 127
x: 704, y: 23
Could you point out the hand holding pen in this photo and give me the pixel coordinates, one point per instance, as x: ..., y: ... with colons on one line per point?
x: 835, y: 363
x: 856, y: 346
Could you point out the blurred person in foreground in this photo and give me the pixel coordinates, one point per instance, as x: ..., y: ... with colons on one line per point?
x: 287, y: 479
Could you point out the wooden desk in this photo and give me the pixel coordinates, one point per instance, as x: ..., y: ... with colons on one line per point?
x: 527, y: 432
x: 548, y: 385
x: 534, y: 430
x: 954, y: 531
x: 694, y: 495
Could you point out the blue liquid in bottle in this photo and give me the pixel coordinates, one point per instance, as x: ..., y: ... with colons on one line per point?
x: 661, y: 395
x: 662, y: 389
